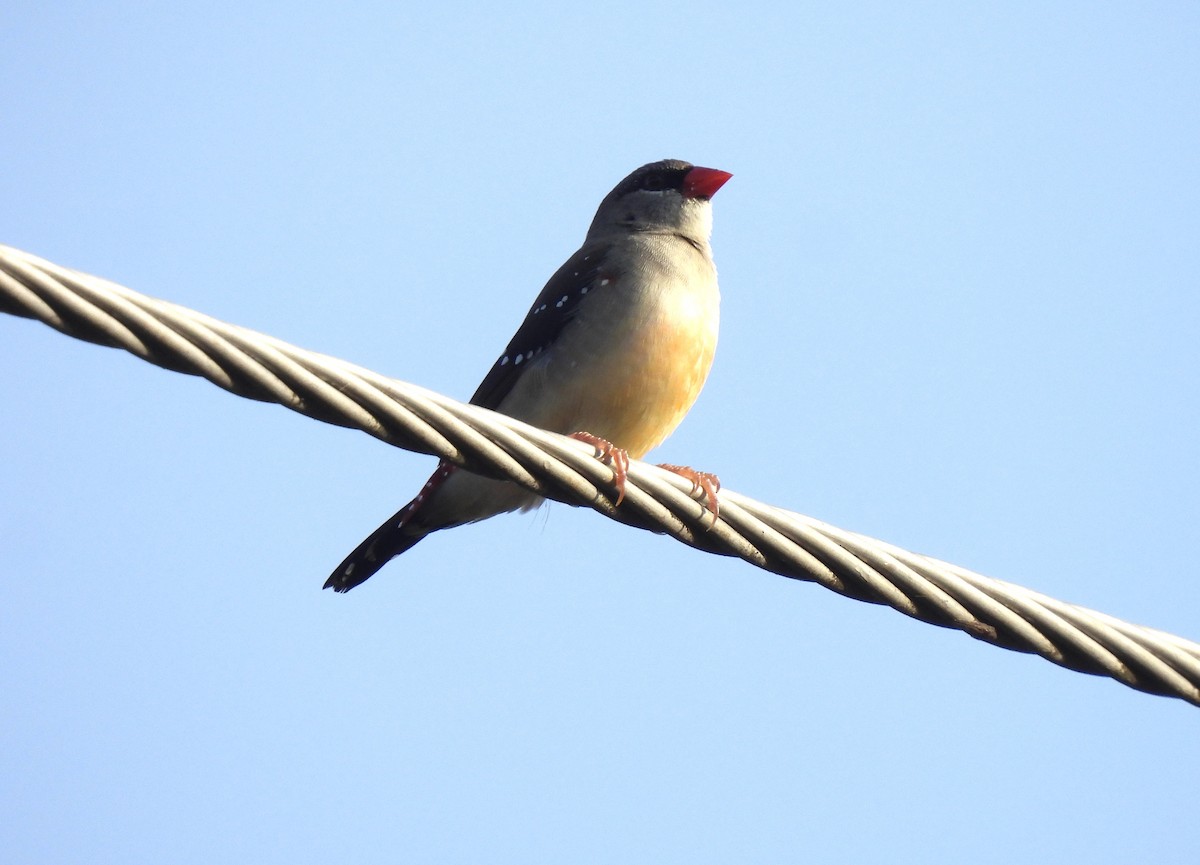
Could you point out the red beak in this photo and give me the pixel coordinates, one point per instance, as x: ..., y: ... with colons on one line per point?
x: 704, y: 182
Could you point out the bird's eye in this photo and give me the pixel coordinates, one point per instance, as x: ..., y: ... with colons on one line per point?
x: 655, y: 181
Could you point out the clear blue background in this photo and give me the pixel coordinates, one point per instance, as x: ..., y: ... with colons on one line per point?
x: 960, y: 258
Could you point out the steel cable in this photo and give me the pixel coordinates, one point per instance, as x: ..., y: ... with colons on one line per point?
x: 260, y: 367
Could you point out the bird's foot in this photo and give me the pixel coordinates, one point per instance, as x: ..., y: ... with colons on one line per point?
x: 709, y: 483
x: 609, y: 454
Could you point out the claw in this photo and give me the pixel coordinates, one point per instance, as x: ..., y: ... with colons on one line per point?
x: 609, y: 454
x: 709, y: 483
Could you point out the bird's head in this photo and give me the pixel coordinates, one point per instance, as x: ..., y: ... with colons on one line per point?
x: 667, y: 197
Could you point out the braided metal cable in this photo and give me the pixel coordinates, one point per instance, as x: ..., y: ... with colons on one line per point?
x: 260, y: 367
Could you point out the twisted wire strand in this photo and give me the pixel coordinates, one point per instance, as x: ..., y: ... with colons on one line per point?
x: 261, y: 367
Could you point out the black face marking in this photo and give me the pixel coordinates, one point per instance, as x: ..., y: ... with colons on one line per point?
x: 657, y: 180
x: 655, y: 177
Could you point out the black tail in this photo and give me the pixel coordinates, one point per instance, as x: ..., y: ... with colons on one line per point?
x: 384, y: 544
x: 400, y: 533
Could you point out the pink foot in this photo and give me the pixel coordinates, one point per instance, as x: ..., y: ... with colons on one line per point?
x: 609, y: 454
x: 709, y: 483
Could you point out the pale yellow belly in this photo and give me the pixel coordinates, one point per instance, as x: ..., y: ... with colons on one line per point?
x: 626, y: 376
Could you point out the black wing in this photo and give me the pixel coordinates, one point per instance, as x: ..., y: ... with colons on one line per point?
x: 550, y: 313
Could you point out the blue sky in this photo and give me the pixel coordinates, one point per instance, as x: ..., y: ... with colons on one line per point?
x: 959, y: 266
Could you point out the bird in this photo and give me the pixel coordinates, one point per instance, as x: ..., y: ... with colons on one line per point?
x: 613, y: 351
